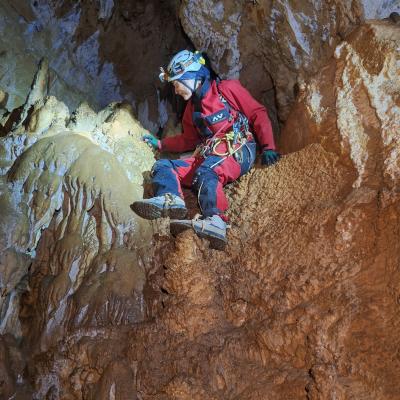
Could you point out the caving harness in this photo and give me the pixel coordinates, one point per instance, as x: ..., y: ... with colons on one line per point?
x: 191, y: 65
x: 187, y: 65
x: 237, y: 137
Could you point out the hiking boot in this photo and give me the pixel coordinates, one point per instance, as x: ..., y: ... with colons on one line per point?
x: 167, y: 205
x: 211, y: 228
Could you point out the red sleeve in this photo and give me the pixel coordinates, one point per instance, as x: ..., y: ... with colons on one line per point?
x: 243, y: 101
x: 187, y: 140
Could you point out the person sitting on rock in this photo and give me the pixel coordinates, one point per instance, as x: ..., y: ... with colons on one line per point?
x: 224, y: 121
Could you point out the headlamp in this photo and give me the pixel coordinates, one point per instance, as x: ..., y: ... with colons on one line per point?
x: 163, y: 76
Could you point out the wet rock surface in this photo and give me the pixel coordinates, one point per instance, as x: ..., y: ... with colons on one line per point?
x: 304, y: 302
x: 98, y: 52
x: 72, y: 253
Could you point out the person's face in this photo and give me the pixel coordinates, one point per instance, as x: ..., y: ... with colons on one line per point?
x: 182, y: 90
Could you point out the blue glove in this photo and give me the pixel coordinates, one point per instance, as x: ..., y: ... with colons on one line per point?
x: 269, y: 157
x: 152, y: 141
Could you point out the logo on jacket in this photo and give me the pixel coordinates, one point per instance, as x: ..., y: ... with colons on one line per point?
x: 219, y: 116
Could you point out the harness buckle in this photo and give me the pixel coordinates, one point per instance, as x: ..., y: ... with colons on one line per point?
x: 234, y: 142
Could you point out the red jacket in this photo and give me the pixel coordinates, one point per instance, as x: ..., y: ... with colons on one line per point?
x: 210, y: 109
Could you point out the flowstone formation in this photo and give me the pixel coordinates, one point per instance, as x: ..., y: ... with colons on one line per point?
x: 303, y: 304
x: 72, y: 252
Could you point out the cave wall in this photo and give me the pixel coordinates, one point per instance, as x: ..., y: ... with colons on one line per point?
x: 274, y: 45
x: 103, y: 51
x: 66, y: 185
x: 97, y: 303
x: 98, y: 52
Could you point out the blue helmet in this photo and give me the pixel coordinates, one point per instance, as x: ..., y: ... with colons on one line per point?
x: 183, y: 62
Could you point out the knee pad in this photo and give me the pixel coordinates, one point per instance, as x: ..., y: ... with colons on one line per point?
x: 202, y: 175
x: 159, y: 165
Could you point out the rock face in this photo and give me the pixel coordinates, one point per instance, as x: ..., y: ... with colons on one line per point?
x: 352, y: 106
x: 103, y: 51
x: 304, y: 302
x: 98, y: 52
x: 272, y: 45
x: 67, y: 182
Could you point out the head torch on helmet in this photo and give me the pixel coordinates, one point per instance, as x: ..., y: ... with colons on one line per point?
x: 163, y: 75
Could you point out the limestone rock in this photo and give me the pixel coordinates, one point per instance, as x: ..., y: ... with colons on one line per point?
x: 304, y: 302
x: 3, y: 99
x: 274, y: 44
x: 98, y: 52
x: 290, y: 310
x: 352, y: 106
x: 302, y: 305
x: 67, y: 183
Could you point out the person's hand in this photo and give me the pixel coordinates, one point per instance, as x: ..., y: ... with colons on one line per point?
x: 269, y: 157
x: 152, y: 141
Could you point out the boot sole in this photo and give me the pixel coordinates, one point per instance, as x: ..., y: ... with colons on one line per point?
x: 215, y: 242
x: 151, y: 211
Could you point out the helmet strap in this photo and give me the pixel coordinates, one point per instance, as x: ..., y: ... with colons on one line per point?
x: 194, y: 86
x: 184, y: 84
